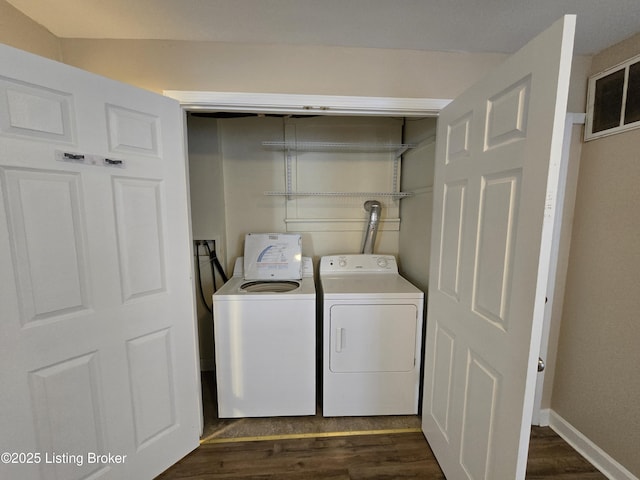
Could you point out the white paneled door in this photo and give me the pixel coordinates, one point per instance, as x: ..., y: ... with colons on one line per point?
x: 498, y: 151
x: 98, y: 368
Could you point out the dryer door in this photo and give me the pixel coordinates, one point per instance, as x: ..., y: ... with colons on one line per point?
x: 373, y: 338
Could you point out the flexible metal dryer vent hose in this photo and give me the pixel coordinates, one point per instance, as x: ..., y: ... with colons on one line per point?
x: 373, y: 207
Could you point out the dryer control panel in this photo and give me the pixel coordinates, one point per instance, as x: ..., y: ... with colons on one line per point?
x: 358, y: 263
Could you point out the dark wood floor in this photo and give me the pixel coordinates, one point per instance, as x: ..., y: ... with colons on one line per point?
x: 379, y: 457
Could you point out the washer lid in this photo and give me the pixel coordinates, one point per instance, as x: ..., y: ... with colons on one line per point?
x: 273, y: 256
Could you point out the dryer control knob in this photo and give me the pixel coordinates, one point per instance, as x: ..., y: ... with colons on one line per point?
x: 342, y: 262
x: 382, y: 262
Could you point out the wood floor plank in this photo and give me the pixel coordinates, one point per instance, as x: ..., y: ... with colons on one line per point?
x: 367, y: 457
x: 551, y: 457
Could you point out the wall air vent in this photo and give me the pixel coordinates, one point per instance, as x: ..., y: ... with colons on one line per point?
x: 613, y: 100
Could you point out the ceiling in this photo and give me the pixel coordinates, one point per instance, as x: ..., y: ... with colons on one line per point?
x: 501, y: 26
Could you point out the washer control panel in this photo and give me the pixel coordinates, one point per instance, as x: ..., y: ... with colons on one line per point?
x: 358, y: 263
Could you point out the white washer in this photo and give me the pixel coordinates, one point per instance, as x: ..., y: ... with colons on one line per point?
x: 265, y: 343
x: 372, y: 337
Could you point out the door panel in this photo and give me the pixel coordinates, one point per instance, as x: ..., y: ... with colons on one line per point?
x: 492, y: 193
x: 139, y: 214
x: 149, y: 358
x: 66, y: 394
x: 131, y: 131
x: 35, y: 111
x: 494, y: 251
x: 44, y: 215
x: 507, y: 114
x: 97, y: 333
x: 440, y: 401
x: 483, y: 385
x: 451, y: 243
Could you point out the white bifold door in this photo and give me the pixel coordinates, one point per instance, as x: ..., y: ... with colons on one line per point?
x: 498, y: 154
x: 98, y: 365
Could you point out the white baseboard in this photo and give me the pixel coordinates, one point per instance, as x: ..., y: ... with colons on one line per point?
x: 589, y: 450
x: 544, y: 417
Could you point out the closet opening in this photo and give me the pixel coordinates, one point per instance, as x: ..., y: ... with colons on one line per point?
x: 307, y: 174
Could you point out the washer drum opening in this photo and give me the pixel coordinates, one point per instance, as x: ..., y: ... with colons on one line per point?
x: 281, y: 286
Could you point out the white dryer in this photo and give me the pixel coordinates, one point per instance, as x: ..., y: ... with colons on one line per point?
x: 372, y: 337
x: 265, y: 331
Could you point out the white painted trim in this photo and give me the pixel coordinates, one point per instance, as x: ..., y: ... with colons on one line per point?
x: 589, y: 450
x: 307, y: 104
x: 565, y: 210
x: 577, y: 118
x: 544, y: 417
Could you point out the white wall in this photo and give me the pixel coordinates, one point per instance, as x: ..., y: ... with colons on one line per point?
x: 416, y: 211
x: 243, y: 67
x: 329, y: 224
x: 205, y: 178
x: 207, y: 218
x: 19, y: 31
